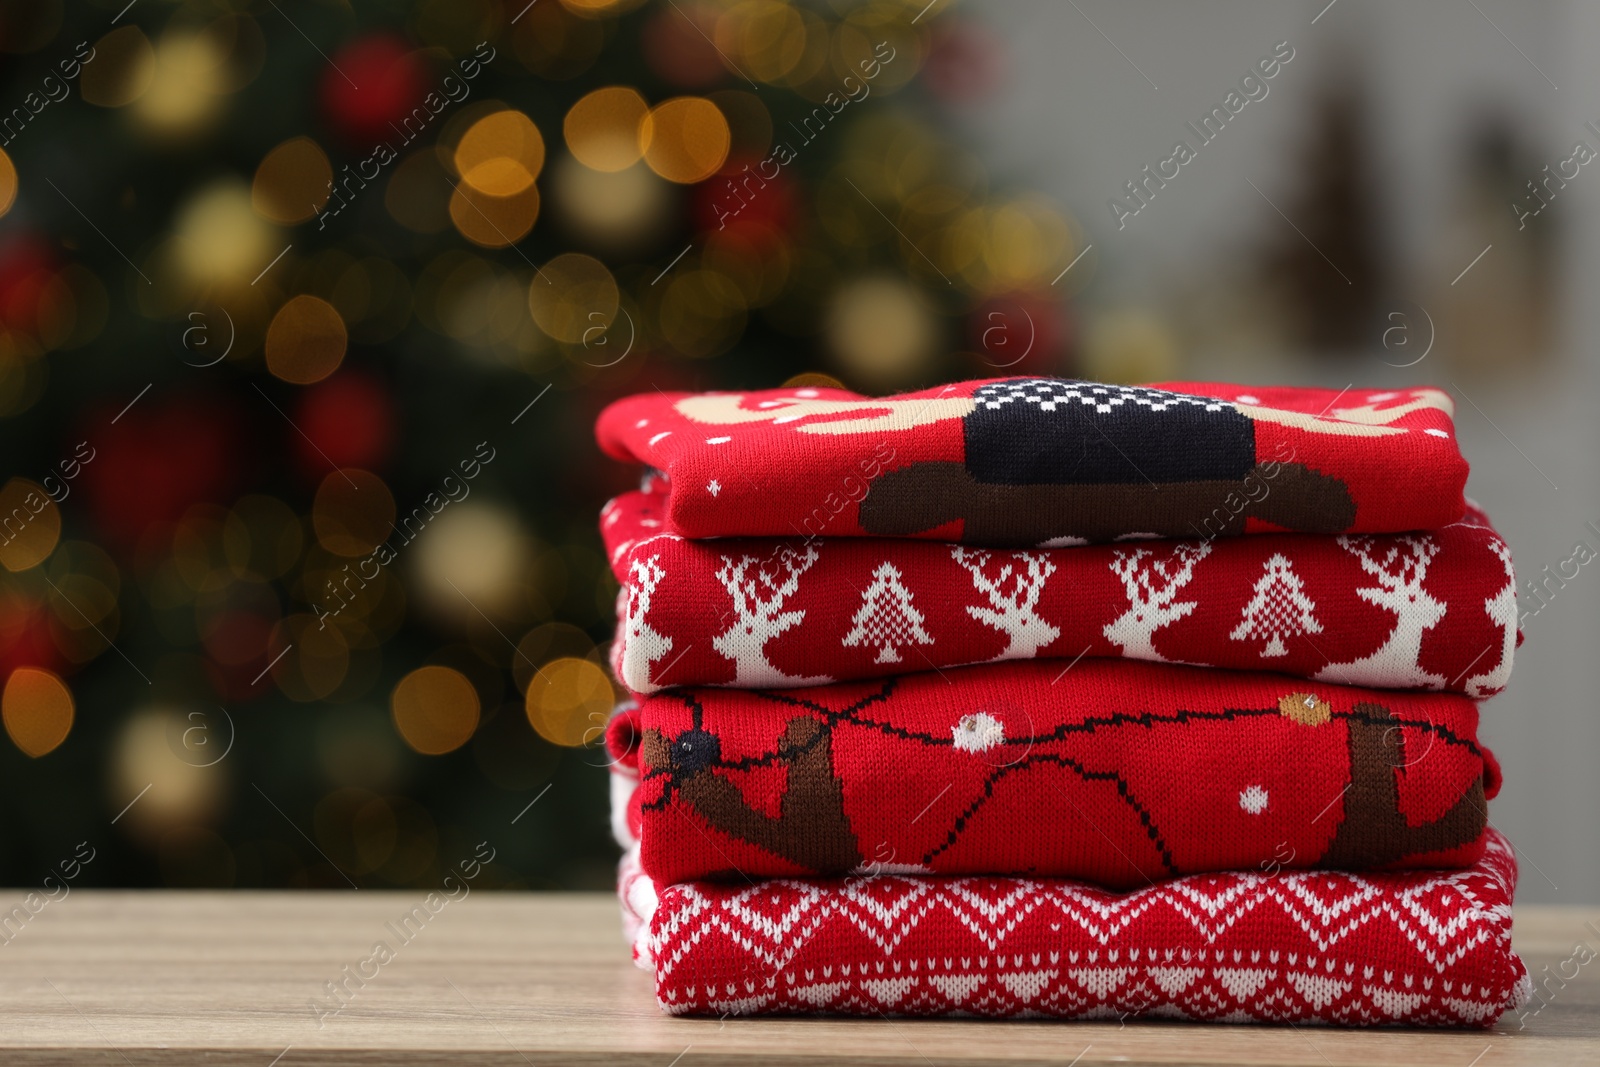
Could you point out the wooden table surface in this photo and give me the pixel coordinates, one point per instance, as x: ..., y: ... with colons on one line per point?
x: 522, y: 979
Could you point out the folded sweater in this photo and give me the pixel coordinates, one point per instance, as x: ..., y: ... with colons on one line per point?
x: 1426, y: 948
x: 1400, y: 611
x: 1020, y: 462
x: 1120, y: 774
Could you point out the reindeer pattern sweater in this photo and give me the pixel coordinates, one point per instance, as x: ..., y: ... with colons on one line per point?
x: 1433, y: 610
x: 1023, y: 462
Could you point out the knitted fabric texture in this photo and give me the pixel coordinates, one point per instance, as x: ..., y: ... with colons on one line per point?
x: 1021, y: 462
x: 1403, y: 611
x: 1115, y: 773
x: 1422, y: 948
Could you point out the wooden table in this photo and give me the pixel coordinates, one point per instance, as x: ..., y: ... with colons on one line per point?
x: 523, y: 979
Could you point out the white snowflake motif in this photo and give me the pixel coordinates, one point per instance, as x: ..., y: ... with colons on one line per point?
x: 714, y: 487
x: 978, y: 733
x: 1253, y: 800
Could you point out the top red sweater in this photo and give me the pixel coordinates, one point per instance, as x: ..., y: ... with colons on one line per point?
x: 1019, y: 462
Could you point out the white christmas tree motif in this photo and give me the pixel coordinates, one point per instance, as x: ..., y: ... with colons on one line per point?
x: 887, y: 619
x: 1502, y: 610
x: 1400, y: 571
x: 1151, y: 584
x: 759, y: 589
x: 643, y: 645
x: 1013, y: 595
x: 1279, y: 608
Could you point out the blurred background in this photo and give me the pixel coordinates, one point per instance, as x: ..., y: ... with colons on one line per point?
x: 306, y: 310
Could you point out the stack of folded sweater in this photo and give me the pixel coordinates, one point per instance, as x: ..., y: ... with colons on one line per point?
x: 930, y: 720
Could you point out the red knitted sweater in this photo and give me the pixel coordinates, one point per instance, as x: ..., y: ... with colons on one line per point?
x: 1424, y: 948
x: 1402, y: 611
x: 1021, y: 462
x: 1115, y: 773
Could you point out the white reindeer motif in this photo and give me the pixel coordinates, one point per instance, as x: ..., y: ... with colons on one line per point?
x: 1502, y: 610
x: 1400, y: 574
x: 1152, y: 595
x: 757, y: 598
x: 643, y: 645
x: 1011, y: 612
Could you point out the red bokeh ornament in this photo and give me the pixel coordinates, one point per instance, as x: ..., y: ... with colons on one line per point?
x: 369, y: 85
x: 347, y: 420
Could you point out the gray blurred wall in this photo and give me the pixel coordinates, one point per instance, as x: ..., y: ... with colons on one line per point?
x: 1076, y: 117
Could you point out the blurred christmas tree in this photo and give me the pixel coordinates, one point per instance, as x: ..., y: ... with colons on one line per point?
x: 304, y: 316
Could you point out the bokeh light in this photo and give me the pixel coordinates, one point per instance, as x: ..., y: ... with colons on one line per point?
x: 474, y: 559
x: 30, y: 524
x: 291, y: 183
x: 123, y: 68
x: 435, y: 709
x: 685, y: 140
x: 164, y: 788
x: 182, y: 96
x: 571, y: 295
x: 353, y: 512
x: 37, y: 709
x: 219, y: 236
x: 567, y: 699
x: 620, y: 210
x: 880, y: 330
x: 603, y: 129
x: 494, y: 221
x: 501, y: 154
x: 306, y: 341
x: 8, y: 183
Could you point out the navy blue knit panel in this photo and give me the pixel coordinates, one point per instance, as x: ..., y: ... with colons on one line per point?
x: 1058, y: 431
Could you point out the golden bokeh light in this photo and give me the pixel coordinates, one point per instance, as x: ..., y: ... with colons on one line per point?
x: 188, y: 76
x: 501, y: 154
x: 435, y: 709
x: 219, y: 237
x: 123, y: 68
x: 37, y: 709
x: 474, y: 559
x: 8, y: 183
x: 494, y: 221
x: 568, y: 702
x: 881, y: 330
x: 596, y: 8
x: 353, y: 512
x: 621, y: 210
x: 603, y: 128
x: 571, y: 295
x: 685, y: 139
x: 147, y: 765
x: 767, y: 36
x: 306, y: 340
x: 551, y: 640
x: 30, y: 524
x: 291, y: 183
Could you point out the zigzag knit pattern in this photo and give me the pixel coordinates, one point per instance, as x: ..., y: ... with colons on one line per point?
x: 1422, y: 948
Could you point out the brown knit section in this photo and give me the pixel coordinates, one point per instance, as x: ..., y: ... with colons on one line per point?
x: 1374, y: 832
x: 811, y: 830
x: 926, y: 495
